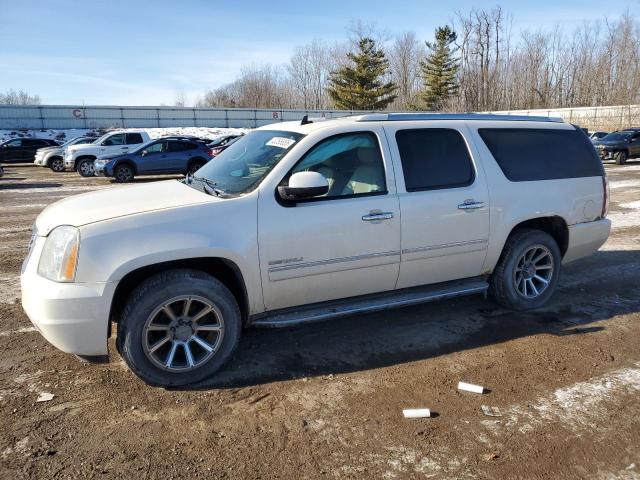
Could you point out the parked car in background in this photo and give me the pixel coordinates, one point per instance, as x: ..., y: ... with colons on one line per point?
x: 619, y: 146
x: 300, y: 222
x: 53, y: 157
x: 23, y: 150
x: 163, y: 156
x: 598, y: 135
x: 81, y: 157
x: 219, y: 146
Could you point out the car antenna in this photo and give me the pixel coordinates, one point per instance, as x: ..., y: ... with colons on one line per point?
x: 305, y: 120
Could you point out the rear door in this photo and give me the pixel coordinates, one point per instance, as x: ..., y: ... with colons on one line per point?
x: 634, y: 145
x: 444, y: 202
x: 30, y: 147
x: 177, y: 156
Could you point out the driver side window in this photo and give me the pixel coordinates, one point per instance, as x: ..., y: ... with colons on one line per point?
x: 351, y: 163
x: 114, y: 140
x: 155, y: 148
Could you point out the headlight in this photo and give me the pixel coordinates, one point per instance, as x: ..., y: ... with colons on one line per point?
x: 100, y: 163
x: 59, y: 256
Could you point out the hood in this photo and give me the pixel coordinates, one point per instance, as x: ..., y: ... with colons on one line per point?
x: 116, y: 202
x: 82, y: 146
x: 48, y: 149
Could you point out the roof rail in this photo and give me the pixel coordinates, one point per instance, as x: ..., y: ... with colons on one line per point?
x: 376, y: 117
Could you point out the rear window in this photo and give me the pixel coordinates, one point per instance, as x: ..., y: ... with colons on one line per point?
x: 434, y: 158
x: 133, y: 138
x: 528, y: 154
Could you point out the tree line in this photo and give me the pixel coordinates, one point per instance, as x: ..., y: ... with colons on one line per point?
x: 475, y: 63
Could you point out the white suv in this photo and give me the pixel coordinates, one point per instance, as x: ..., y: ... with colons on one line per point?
x: 81, y: 157
x: 302, y: 221
x: 53, y: 157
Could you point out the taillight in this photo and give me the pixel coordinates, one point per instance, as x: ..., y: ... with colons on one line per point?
x: 605, y: 196
x: 216, y: 151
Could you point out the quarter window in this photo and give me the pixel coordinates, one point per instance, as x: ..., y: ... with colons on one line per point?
x: 434, y: 158
x: 155, y: 148
x: 526, y: 154
x: 351, y: 163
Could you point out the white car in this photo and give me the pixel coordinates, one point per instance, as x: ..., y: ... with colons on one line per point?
x: 300, y: 221
x: 53, y: 157
x: 81, y: 157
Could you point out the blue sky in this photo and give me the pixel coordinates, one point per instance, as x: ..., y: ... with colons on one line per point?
x: 140, y: 52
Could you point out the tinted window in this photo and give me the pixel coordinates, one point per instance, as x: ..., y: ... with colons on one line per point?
x: 351, y: 163
x: 14, y: 143
x: 189, y: 146
x: 174, y: 146
x: 133, y: 138
x: 434, y: 158
x: 33, y: 143
x: 526, y: 154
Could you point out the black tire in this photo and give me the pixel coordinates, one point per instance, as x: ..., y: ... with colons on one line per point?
x: 155, y: 292
x: 1, y: 171
x: 85, y: 167
x: 123, y: 173
x: 56, y: 164
x: 503, y: 280
x: 621, y: 157
x: 195, y: 165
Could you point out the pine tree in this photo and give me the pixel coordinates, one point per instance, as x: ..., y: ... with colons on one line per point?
x: 359, y: 86
x: 439, y: 70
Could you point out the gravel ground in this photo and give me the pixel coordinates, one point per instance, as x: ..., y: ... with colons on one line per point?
x: 325, y: 401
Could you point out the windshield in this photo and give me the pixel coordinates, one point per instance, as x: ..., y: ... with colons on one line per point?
x: 616, y: 136
x: 243, y: 165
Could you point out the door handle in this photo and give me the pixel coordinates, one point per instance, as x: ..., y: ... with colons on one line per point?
x: 470, y: 204
x: 377, y: 216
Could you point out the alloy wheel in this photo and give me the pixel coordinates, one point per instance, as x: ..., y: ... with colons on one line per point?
x: 533, y: 272
x: 183, y: 333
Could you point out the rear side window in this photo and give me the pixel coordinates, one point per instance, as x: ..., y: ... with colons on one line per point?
x: 189, y: 146
x: 434, y: 158
x: 528, y: 154
x: 133, y: 138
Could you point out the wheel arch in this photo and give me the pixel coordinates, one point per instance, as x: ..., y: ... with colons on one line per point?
x: 81, y: 158
x: 128, y: 162
x: 196, y: 159
x: 222, y: 269
x: 50, y: 159
x: 554, y: 225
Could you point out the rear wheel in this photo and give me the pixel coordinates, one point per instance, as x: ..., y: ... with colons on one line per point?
x: 123, y: 173
x: 621, y: 157
x: 527, y: 273
x: 57, y: 164
x: 178, y: 328
x: 195, y: 165
x: 85, y: 167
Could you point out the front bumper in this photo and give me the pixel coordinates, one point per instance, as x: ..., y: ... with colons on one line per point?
x: 73, y: 317
x: 586, y: 238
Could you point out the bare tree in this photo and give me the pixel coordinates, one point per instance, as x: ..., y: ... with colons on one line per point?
x: 179, y: 98
x: 405, y: 54
x: 20, y: 97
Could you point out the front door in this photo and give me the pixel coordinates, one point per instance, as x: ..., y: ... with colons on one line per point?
x: 12, y: 151
x: 342, y: 244
x: 444, y: 203
x: 153, y: 159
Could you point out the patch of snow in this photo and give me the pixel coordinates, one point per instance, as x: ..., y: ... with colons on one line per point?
x: 616, y: 184
x: 67, y: 134
x: 631, y: 205
x: 621, y: 220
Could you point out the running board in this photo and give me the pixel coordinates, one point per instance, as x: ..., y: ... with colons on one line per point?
x: 318, y: 312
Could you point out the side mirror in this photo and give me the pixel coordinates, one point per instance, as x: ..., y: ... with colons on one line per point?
x: 304, y: 185
x: 143, y: 153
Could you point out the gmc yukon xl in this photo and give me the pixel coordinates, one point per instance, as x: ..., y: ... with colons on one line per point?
x: 304, y: 221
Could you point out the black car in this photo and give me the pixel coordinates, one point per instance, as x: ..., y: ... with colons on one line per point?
x: 221, y: 144
x: 23, y: 150
x: 619, y: 146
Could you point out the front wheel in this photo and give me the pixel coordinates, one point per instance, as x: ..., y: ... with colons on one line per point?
x: 57, y: 164
x: 85, y: 168
x: 178, y: 328
x: 528, y: 270
x: 621, y: 157
x: 123, y: 174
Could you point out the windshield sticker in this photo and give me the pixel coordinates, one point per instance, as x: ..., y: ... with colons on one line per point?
x: 280, y: 142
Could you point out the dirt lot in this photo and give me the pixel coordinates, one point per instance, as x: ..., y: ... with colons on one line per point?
x: 325, y: 401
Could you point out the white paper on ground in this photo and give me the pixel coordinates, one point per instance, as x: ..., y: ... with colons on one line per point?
x: 491, y: 411
x: 470, y: 387
x: 45, y: 397
x: 416, y: 413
